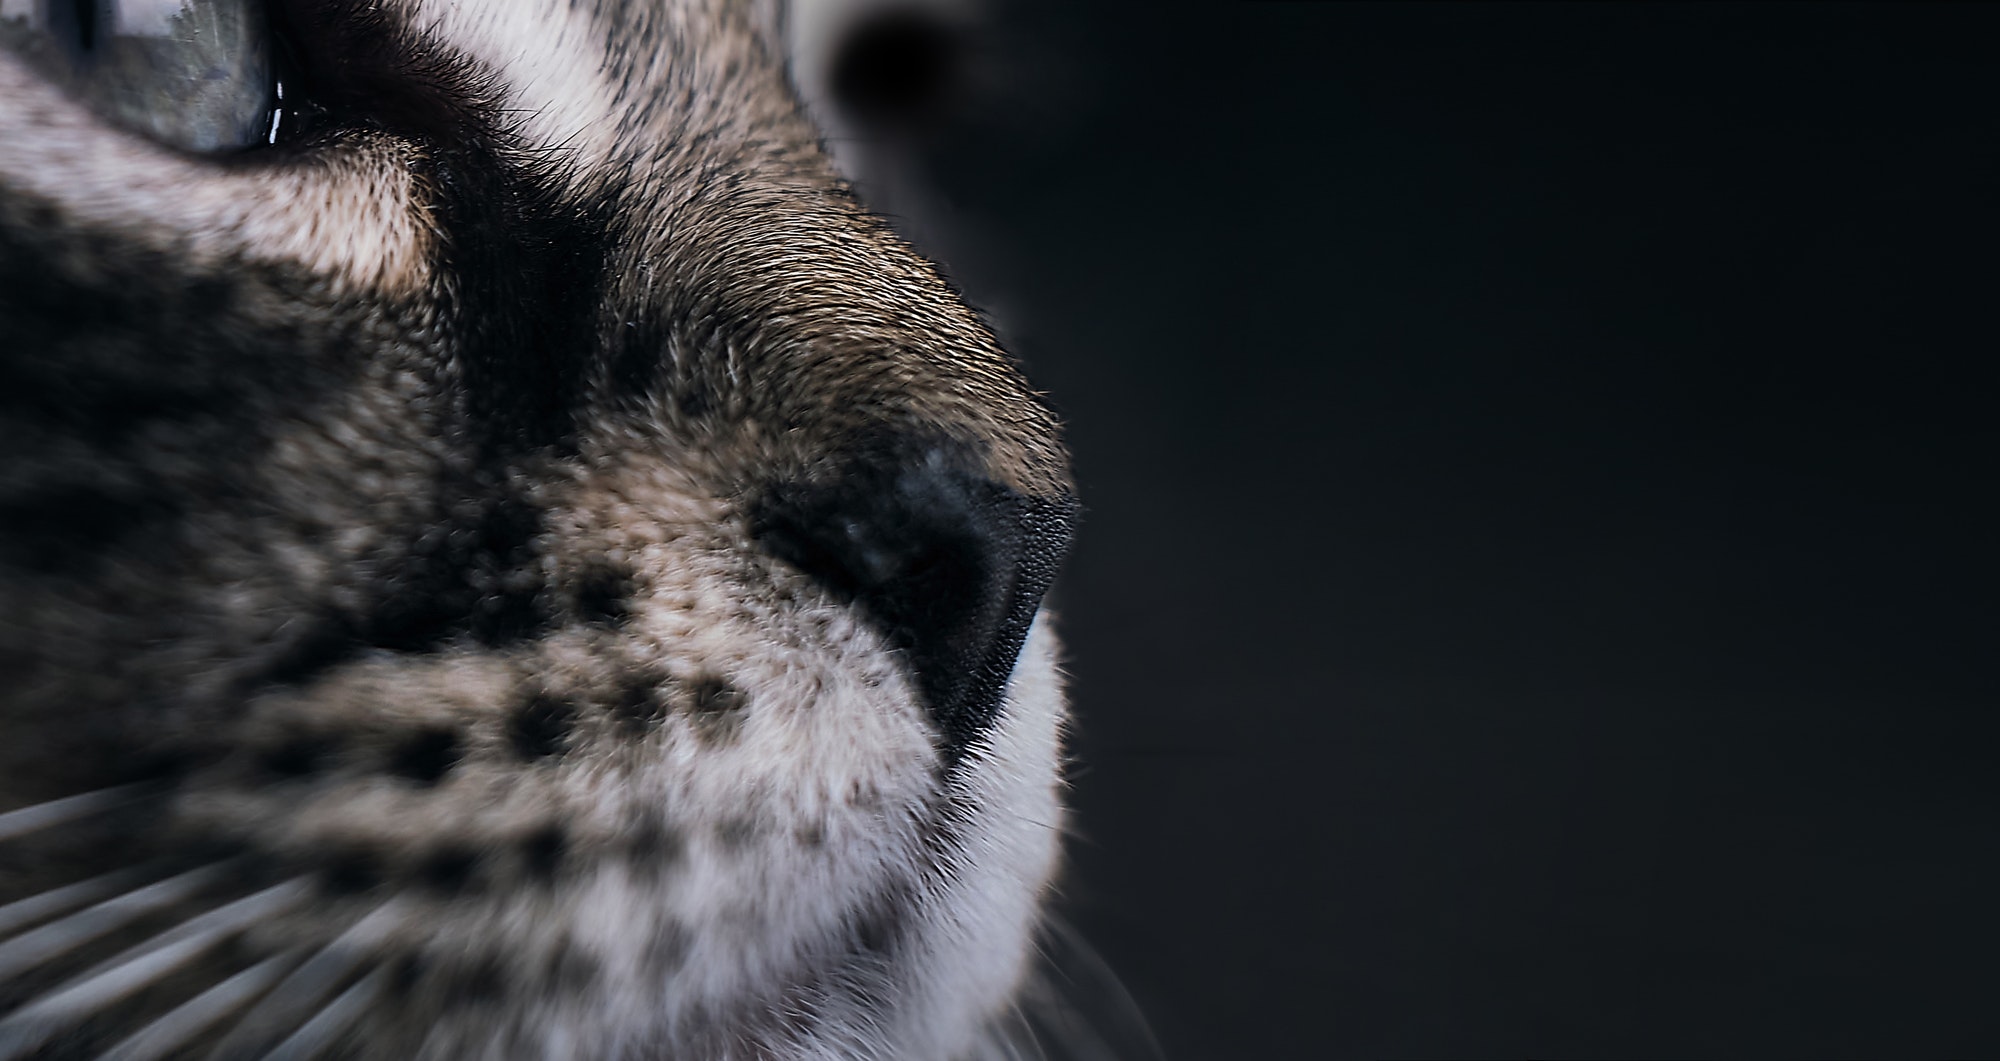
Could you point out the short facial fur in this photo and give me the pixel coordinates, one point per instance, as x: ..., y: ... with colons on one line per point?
x: 539, y: 547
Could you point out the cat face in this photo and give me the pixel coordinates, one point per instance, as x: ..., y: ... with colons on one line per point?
x: 514, y: 562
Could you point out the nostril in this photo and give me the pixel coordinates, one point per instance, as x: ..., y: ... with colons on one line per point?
x: 949, y: 564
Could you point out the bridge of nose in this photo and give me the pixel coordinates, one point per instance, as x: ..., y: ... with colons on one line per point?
x: 742, y: 284
x: 881, y: 440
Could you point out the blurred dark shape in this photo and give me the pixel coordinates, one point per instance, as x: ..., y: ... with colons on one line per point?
x: 1535, y: 588
x: 898, y: 68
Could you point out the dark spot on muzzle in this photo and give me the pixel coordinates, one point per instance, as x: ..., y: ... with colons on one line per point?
x: 426, y: 756
x: 540, y: 729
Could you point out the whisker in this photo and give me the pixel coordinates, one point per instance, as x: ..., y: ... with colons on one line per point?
x: 111, y: 980
x: 16, y: 823
x: 1033, y: 1050
x: 1078, y: 1005
x: 320, y: 1032
x: 307, y: 984
x: 35, y: 907
x: 1004, y: 1042
x: 230, y: 917
x: 30, y: 949
x: 1074, y: 1034
x: 173, y: 1030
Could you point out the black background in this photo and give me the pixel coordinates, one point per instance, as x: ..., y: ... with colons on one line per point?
x: 1536, y: 593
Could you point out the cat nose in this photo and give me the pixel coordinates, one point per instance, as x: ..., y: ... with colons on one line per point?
x: 949, y: 564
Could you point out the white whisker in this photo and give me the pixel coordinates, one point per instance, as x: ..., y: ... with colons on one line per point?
x: 26, y: 820
x: 1075, y: 1008
x: 30, y: 949
x: 174, y: 1029
x: 320, y: 1032
x: 218, y: 923
x: 109, y: 981
x: 69, y: 896
x: 1008, y: 1040
x: 1033, y: 1043
x: 1073, y: 1034
x: 307, y: 984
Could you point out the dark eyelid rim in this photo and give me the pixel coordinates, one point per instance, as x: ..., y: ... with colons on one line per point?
x: 359, y: 65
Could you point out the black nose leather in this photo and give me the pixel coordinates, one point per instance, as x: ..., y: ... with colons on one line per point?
x: 949, y: 565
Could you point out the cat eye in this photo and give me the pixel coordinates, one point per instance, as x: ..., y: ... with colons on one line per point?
x: 196, y: 74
